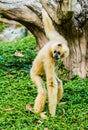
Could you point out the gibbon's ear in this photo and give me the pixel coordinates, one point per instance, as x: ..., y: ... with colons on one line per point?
x: 60, y: 44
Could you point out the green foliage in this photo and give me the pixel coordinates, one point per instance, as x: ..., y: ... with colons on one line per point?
x: 62, y: 72
x: 2, y: 25
x: 17, y: 90
x: 25, y: 46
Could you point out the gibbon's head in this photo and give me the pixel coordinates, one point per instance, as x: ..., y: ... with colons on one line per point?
x: 60, y: 51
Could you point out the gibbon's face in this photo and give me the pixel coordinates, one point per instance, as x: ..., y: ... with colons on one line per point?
x: 59, y: 51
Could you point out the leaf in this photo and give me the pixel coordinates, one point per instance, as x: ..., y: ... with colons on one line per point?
x: 39, y: 122
x: 46, y: 128
x: 62, y: 103
x: 35, y: 129
x: 63, y: 123
x: 9, y: 109
x: 43, y: 115
x: 62, y: 112
x: 18, y: 54
x: 29, y: 108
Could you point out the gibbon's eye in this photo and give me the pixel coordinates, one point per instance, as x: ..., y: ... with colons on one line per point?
x: 59, y: 44
x: 55, y: 51
x: 58, y: 53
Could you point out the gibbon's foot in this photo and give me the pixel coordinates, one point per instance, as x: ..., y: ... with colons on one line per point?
x: 61, y: 103
x: 30, y: 109
x: 39, y: 103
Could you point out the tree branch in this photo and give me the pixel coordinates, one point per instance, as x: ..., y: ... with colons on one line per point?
x: 57, y: 9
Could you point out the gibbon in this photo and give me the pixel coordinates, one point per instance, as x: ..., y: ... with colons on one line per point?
x: 44, y: 64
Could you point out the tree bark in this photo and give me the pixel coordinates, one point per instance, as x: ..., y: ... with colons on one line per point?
x: 70, y: 19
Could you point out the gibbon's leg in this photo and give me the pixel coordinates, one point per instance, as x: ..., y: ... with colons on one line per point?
x: 52, y: 87
x: 60, y: 89
x: 41, y: 97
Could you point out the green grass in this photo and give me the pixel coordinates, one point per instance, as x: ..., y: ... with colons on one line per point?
x: 17, y: 90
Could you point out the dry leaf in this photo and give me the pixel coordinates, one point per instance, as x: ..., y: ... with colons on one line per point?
x: 9, y: 109
x: 62, y: 103
x: 62, y: 113
x: 39, y: 122
x: 18, y: 54
x: 29, y: 108
x: 46, y: 128
x: 43, y: 115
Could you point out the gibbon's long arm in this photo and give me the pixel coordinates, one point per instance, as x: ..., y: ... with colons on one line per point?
x: 50, y: 31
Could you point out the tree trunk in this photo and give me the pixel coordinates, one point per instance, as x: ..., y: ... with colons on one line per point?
x: 69, y: 18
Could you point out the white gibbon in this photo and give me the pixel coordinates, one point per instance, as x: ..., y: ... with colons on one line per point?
x: 44, y: 64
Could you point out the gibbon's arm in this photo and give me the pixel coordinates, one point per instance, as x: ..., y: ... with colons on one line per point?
x: 50, y: 31
x: 50, y: 72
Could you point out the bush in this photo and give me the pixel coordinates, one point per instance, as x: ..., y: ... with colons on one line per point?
x: 26, y: 46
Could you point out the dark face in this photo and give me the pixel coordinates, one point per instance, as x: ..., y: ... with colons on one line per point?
x: 59, y: 51
x: 56, y: 54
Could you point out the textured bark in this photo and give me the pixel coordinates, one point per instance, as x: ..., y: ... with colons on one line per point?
x: 69, y: 17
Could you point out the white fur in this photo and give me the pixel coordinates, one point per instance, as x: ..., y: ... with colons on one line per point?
x: 44, y: 63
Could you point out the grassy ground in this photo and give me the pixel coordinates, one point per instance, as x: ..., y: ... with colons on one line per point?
x: 17, y: 90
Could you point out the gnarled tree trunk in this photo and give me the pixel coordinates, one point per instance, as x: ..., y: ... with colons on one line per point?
x: 69, y: 18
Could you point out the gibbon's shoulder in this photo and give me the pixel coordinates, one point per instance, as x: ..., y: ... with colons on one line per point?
x: 44, y: 50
